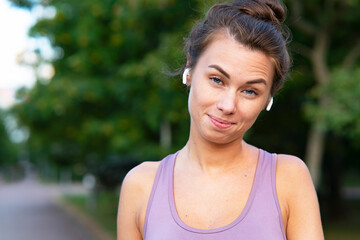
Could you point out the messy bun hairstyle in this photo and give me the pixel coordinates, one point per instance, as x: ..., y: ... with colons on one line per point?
x: 256, y: 24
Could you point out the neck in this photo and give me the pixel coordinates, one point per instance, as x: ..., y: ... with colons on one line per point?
x: 214, y: 158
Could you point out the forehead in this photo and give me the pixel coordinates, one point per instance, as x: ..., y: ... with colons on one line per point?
x: 236, y: 58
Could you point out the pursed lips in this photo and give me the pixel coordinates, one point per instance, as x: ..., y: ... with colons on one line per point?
x: 223, y: 122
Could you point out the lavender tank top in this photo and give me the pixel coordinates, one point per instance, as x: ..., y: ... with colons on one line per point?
x: 260, y: 219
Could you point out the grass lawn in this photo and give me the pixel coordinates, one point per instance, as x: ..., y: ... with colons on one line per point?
x: 347, y: 228
x: 105, y: 212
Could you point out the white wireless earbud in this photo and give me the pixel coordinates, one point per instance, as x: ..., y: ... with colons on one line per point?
x: 185, y: 74
x: 268, y: 107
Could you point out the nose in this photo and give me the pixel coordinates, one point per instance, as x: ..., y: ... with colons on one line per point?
x: 227, y: 103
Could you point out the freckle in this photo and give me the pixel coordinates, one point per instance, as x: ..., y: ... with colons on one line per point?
x: 245, y: 175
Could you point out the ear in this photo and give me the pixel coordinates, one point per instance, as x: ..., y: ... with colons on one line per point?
x: 186, y: 78
x: 187, y: 70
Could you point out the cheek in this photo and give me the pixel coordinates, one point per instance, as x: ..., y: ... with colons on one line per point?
x: 249, y: 110
x: 195, y: 98
x: 198, y: 102
x: 250, y: 113
x: 201, y: 99
x: 192, y: 103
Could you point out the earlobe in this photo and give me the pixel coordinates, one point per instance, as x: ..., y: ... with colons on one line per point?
x: 268, y: 107
x: 185, y: 75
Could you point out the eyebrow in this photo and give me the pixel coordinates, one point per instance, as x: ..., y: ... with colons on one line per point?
x: 217, y: 67
x: 257, y: 81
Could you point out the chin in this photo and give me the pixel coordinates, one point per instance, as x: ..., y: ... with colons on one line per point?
x: 221, y: 139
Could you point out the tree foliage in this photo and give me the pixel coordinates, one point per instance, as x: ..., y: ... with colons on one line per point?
x: 325, y: 36
x: 109, y: 95
x: 342, y: 113
x: 7, y: 148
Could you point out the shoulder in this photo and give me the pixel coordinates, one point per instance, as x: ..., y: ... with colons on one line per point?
x: 143, y: 170
x: 135, y: 192
x: 297, y: 198
x: 293, y: 182
x: 140, y: 178
x: 292, y: 177
x: 291, y: 167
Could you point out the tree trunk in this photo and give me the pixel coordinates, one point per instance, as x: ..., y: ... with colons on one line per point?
x: 316, y: 145
x: 316, y: 139
x: 165, y: 134
x: 314, y: 152
x: 335, y: 197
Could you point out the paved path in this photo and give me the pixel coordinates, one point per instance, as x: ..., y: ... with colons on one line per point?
x: 28, y: 211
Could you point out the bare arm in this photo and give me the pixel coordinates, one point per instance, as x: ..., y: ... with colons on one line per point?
x: 298, y: 193
x: 127, y: 226
x: 135, y: 192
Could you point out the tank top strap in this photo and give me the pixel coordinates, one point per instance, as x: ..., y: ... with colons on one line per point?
x: 266, y: 168
x: 273, y: 160
x: 267, y: 186
x: 160, y: 185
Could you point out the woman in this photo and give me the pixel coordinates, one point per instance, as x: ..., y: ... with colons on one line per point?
x: 218, y: 186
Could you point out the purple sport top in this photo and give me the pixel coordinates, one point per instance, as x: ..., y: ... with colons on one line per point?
x: 260, y: 219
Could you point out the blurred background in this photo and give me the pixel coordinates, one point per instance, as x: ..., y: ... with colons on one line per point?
x: 85, y: 95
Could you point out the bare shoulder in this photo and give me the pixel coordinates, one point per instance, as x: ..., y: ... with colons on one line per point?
x: 135, y: 192
x: 298, y: 199
x: 140, y: 176
x: 138, y: 182
x: 291, y: 168
x: 292, y: 178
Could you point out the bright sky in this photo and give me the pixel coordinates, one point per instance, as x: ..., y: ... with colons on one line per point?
x: 14, y: 25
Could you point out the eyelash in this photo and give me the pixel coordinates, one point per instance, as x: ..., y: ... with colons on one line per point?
x: 216, y: 80
x: 252, y: 92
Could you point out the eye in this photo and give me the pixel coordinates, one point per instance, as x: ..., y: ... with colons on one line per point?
x: 250, y: 92
x: 216, y: 80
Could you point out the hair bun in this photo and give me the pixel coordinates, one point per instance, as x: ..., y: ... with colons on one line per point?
x: 272, y: 11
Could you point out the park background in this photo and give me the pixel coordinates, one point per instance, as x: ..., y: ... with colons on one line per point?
x: 107, y: 102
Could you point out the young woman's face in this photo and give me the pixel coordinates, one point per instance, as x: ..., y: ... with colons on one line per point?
x: 230, y: 85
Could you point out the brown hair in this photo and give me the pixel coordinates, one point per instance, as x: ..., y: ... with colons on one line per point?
x: 256, y: 24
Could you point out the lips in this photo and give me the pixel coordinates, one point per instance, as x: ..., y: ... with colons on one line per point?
x: 220, y: 123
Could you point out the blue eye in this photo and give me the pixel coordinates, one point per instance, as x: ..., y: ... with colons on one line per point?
x: 216, y: 80
x: 250, y: 92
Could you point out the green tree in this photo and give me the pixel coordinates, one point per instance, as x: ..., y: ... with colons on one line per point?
x: 7, y: 148
x: 325, y: 35
x: 108, y: 95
